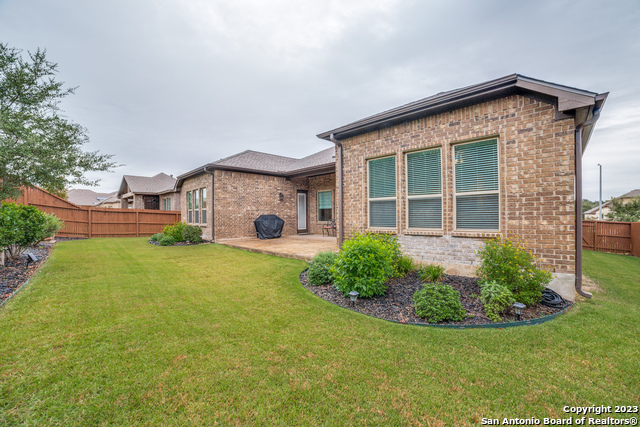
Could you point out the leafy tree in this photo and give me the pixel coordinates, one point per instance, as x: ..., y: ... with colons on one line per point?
x: 620, y: 211
x: 588, y: 204
x: 38, y: 144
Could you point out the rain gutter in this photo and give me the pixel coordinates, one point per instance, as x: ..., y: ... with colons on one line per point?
x: 340, y: 192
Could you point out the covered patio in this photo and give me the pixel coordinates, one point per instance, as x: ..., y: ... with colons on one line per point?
x: 300, y: 246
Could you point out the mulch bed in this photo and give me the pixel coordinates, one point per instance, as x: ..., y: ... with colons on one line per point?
x: 204, y: 242
x: 16, y: 272
x: 397, y: 303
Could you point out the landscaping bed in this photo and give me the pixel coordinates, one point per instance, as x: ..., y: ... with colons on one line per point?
x: 397, y: 304
x: 156, y: 243
x: 16, y: 271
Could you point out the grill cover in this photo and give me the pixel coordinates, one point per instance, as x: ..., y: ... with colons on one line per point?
x: 268, y: 226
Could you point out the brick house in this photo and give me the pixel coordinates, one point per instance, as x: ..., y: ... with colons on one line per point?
x: 149, y: 192
x: 447, y: 172
x: 225, y: 197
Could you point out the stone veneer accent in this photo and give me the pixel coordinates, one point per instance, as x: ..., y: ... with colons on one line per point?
x: 536, y: 166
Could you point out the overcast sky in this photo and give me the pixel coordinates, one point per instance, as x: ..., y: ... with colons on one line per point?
x: 169, y: 85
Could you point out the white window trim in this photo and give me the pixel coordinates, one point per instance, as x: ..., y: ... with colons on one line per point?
x: 476, y: 193
x: 425, y: 196
x: 381, y: 199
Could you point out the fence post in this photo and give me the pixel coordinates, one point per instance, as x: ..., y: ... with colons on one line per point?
x: 137, y: 224
x: 89, y: 223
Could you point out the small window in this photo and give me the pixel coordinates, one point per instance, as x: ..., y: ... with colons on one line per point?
x: 325, y: 211
x: 382, y: 192
x: 203, y: 203
x: 424, y: 189
x: 164, y: 204
x: 477, y: 192
x: 189, y: 208
x: 169, y: 204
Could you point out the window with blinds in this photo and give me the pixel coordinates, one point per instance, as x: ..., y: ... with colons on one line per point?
x: 325, y: 205
x: 382, y: 192
x: 189, y: 208
x: 477, y: 190
x: 424, y: 189
x: 203, y: 205
x: 196, y: 207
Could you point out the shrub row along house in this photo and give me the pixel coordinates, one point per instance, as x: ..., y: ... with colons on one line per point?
x: 443, y: 174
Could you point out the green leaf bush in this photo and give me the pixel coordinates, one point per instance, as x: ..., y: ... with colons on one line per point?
x: 512, y: 266
x: 23, y: 226
x: 156, y: 237
x: 191, y: 234
x: 431, y: 272
x: 364, y: 265
x: 320, y: 268
x: 175, y: 231
x: 404, y: 265
x: 496, y: 298
x: 167, y: 241
x: 438, y: 303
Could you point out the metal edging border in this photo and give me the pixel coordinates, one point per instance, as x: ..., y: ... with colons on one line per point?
x: 503, y: 325
x: 27, y: 281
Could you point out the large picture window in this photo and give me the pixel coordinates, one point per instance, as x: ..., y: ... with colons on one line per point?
x: 477, y: 192
x: 325, y: 202
x: 382, y: 192
x: 424, y: 189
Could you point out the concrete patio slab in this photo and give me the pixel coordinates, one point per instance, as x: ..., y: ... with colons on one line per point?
x: 301, y: 246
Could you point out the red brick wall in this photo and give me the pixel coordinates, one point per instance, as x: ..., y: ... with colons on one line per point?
x: 320, y: 183
x: 536, y: 164
x: 203, y: 180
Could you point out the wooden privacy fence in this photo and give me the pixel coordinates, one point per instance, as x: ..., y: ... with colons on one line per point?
x: 609, y: 236
x: 85, y: 221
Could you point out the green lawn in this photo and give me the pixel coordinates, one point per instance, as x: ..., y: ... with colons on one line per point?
x: 119, y: 332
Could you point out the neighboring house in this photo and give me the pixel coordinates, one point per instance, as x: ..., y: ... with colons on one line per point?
x: 149, y: 192
x: 488, y: 160
x: 82, y: 197
x: 226, y: 196
x: 110, y: 202
x: 606, y: 207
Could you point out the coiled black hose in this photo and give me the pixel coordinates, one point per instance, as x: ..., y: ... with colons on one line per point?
x: 550, y: 298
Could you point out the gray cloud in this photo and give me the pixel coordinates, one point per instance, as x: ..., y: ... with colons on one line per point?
x: 170, y: 85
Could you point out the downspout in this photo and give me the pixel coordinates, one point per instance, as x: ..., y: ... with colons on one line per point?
x: 340, y: 192
x: 578, y: 234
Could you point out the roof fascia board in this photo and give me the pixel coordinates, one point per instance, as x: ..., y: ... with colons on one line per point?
x: 567, y: 99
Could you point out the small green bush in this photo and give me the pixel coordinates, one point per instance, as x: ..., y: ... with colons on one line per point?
x: 156, y: 237
x: 175, y: 231
x: 22, y: 226
x: 509, y: 264
x: 363, y: 265
x: 438, y: 303
x: 52, y: 224
x: 192, y: 234
x: 167, y: 241
x: 405, y: 265
x: 392, y: 242
x: 320, y: 268
x: 496, y: 299
x: 431, y: 272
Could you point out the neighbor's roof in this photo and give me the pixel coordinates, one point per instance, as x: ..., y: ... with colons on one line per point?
x: 597, y: 208
x: 112, y: 199
x: 632, y: 193
x: 568, y: 100
x: 84, y: 197
x: 269, y: 164
x: 160, y: 183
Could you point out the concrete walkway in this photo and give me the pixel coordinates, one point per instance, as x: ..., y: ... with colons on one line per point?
x: 300, y: 246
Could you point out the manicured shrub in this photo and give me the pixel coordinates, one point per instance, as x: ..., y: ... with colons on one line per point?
x: 496, y: 299
x: 392, y: 242
x: 431, y: 272
x: 22, y: 226
x: 363, y: 265
x: 167, y: 241
x: 438, y: 303
x: 191, y: 233
x: 156, y: 237
x: 320, y: 268
x: 512, y: 266
x: 175, y: 231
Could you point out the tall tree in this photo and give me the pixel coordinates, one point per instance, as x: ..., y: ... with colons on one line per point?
x: 38, y: 144
x: 627, y: 212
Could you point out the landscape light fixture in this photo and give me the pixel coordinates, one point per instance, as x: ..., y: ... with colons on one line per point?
x: 519, y: 309
x: 354, y: 296
x: 281, y: 197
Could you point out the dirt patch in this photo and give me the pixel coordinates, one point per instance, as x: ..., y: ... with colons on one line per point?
x: 17, y: 271
x: 397, y: 303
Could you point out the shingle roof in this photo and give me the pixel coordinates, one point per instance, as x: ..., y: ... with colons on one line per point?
x: 112, y: 199
x: 632, y: 193
x: 84, y: 197
x: 258, y: 162
x: 159, y: 183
